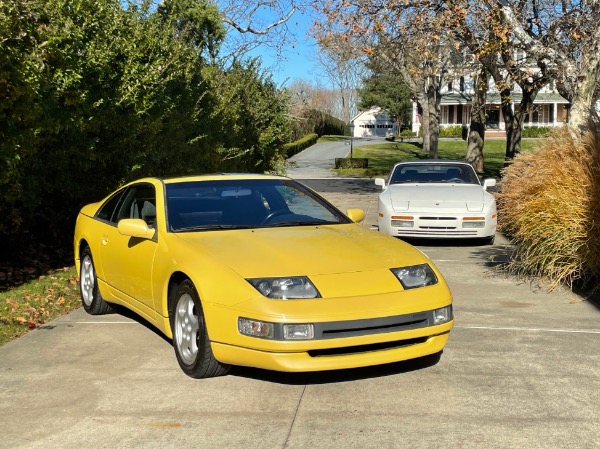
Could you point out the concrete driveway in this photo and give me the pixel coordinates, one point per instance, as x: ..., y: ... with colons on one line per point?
x: 521, y: 370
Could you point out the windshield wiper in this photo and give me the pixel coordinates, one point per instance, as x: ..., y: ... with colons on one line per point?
x: 299, y: 223
x: 210, y: 227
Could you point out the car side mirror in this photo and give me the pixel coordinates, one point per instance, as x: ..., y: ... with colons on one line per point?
x: 380, y: 182
x: 356, y: 215
x: 135, y: 227
x: 487, y: 183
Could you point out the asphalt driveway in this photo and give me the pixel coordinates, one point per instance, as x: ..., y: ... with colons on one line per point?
x: 521, y: 370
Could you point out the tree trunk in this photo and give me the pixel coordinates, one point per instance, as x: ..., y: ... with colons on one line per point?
x: 476, y: 139
x: 516, y: 135
x: 425, y: 125
x: 434, y: 122
x: 583, y: 100
x: 434, y: 98
x: 508, y: 114
x: 513, y: 141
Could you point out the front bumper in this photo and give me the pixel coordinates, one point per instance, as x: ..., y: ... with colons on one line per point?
x: 343, y: 358
x: 439, y: 225
x: 365, y: 332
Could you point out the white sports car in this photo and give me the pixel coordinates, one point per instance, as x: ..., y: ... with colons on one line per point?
x: 437, y: 199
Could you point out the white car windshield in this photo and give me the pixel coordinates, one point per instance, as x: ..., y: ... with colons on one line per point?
x: 434, y: 173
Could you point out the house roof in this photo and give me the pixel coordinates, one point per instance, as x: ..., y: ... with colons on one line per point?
x: 377, y: 112
x: 494, y: 98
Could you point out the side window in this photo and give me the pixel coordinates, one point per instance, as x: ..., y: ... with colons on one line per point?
x: 139, y: 201
x: 108, y: 210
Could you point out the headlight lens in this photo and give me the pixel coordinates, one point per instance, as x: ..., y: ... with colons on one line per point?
x: 473, y: 222
x: 443, y: 315
x: 296, y: 287
x: 298, y: 332
x: 275, y: 331
x: 415, y: 276
x: 256, y: 328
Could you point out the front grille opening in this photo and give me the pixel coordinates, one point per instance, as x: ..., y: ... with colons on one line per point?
x: 334, y: 333
x: 438, y: 218
x: 350, y: 350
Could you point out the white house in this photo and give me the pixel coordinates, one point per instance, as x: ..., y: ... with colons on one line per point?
x: 375, y: 122
x: 550, y: 109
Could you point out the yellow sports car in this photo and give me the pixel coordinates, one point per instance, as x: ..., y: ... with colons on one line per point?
x: 259, y: 271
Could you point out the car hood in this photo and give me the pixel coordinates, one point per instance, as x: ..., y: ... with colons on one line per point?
x: 436, y: 197
x: 304, y: 250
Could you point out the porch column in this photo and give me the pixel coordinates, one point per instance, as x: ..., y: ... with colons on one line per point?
x: 416, y: 123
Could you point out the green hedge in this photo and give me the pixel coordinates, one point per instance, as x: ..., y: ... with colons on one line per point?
x: 451, y: 131
x: 321, y: 123
x: 95, y: 93
x: 301, y: 144
x: 535, y: 131
x: 357, y: 162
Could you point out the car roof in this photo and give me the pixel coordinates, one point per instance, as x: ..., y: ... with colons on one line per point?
x: 431, y: 162
x: 212, y: 177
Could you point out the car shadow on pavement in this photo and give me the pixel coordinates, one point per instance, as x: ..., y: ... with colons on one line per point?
x: 319, y: 377
x: 337, y: 376
x: 125, y: 312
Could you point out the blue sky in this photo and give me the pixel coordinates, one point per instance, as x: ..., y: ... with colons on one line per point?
x: 298, y: 59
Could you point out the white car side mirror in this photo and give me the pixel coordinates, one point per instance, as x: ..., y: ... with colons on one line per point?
x: 380, y: 182
x: 487, y: 183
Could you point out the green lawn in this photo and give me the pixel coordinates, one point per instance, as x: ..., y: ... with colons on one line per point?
x: 37, y: 302
x: 383, y: 156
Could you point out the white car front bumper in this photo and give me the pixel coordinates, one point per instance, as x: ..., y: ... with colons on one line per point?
x: 438, y: 225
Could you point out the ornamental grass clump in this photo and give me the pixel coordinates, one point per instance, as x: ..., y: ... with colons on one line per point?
x: 550, y: 208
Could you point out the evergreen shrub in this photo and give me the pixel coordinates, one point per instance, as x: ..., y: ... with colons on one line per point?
x: 406, y: 134
x: 321, y: 123
x: 297, y: 146
x: 451, y: 131
x: 535, y: 131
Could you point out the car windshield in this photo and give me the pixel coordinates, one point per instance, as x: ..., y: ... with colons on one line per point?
x: 434, y: 173
x: 246, y: 203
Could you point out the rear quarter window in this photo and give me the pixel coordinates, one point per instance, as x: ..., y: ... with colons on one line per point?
x: 107, y: 210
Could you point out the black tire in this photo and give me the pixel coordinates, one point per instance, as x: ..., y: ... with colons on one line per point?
x: 190, y: 337
x: 489, y: 240
x: 91, y: 299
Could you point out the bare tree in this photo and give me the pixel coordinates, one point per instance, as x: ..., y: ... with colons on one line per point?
x: 258, y: 23
x: 344, y: 66
x: 247, y: 24
x: 305, y: 95
x: 564, y: 36
x: 411, y: 37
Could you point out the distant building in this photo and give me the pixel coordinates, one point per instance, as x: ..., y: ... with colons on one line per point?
x: 550, y: 108
x: 375, y: 122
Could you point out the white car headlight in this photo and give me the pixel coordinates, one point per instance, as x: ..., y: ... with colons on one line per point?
x: 294, y: 287
x: 415, y: 276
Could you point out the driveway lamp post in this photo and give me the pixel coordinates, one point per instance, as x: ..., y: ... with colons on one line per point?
x: 351, y: 136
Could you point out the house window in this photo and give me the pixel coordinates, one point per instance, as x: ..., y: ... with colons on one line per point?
x: 462, y: 83
x: 459, y: 114
x: 451, y: 114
